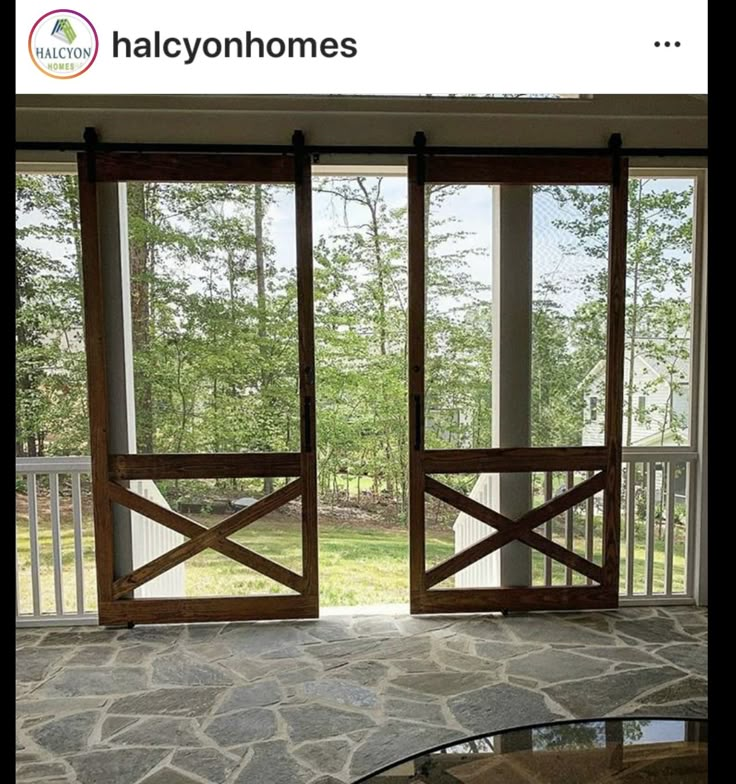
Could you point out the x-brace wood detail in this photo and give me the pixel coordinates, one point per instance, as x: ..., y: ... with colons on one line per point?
x: 509, y: 530
x: 202, y: 537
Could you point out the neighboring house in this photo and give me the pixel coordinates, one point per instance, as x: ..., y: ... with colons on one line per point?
x: 661, y: 397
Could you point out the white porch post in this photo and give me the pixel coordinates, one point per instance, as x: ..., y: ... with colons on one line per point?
x: 511, y: 330
x: 137, y: 540
x: 700, y: 583
x: 113, y: 225
x: 701, y: 519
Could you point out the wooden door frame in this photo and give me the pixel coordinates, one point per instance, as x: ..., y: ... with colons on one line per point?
x: 112, y: 472
x: 611, y: 170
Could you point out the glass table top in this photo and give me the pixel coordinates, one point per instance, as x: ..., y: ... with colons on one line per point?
x: 615, y: 751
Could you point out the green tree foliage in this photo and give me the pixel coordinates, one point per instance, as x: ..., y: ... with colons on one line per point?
x: 659, y: 262
x: 50, y: 369
x: 214, y: 311
x: 214, y: 322
x: 361, y: 316
x: 360, y: 296
x: 457, y: 332
x: 557, y: 364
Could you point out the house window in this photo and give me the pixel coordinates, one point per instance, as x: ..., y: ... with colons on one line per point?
x: 641, y: 409
x: 593, y: 409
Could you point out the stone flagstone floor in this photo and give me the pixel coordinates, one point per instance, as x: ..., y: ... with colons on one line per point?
x: 327, y: 701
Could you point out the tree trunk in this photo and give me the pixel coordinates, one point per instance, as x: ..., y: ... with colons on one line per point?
x: 140, y: 254
x: 371, y: 203
x: 262, y: 311
x: 71, y: 193
x: 669, y: 408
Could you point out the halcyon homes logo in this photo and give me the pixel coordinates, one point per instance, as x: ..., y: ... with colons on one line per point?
x: 64, y: 31
x: 63, y: 44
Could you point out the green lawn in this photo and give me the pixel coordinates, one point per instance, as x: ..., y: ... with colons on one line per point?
x: 359, y: 564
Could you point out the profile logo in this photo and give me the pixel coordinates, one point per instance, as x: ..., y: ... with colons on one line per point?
x: 64, y: 31
x: 63, y: 44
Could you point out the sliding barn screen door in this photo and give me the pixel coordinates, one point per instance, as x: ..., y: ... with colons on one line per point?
x: 533, y: 485
x: 225, y: 358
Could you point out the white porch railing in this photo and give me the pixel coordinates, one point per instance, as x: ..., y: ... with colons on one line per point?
x: 151, y: 540
x: 485, y: 572
x: 55, y: 590
x: 54, y: 544
x: 658, y: 515
x: 54, y: 549
x: 657, y: 537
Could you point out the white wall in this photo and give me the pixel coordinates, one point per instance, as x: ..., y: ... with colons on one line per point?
x: 149, y: 540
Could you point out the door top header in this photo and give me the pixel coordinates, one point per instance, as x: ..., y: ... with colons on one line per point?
x: 192, y: 167
x: 516, y: 170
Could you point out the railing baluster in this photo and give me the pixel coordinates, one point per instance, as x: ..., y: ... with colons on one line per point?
x: 630, y: 526
x: 669, y: 542
x: 548, y: 529
x: 75, y: 467
x: 33, y: 535
x: 56, y: 542
x: 691, y: 485
x: 17, y: 572
x: 589, y: 525
x: 651, y: 493
x: 38, y: 609
x: 78, y: 541
x: 569, y: 527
